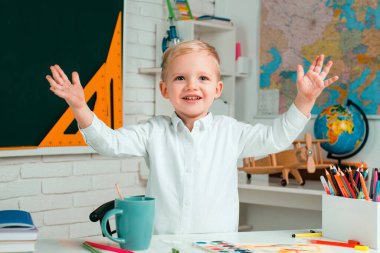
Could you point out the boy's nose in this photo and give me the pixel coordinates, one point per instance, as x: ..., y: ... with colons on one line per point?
x: 192, y: 84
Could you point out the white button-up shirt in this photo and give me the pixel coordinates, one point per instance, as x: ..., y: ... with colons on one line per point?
x: 193, y: 175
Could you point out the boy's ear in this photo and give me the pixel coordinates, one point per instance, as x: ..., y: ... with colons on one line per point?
x: 219, y: 89
x: 164, y: 89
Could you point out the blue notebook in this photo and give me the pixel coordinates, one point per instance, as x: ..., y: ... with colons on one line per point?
x: 16, y: 219
x: 16, y: 225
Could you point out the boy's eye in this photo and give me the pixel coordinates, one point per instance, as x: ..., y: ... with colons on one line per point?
x: 204, y: 78
x: 179, y: 78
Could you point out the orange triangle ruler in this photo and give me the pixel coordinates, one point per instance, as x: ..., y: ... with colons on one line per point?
x: 107, y: 85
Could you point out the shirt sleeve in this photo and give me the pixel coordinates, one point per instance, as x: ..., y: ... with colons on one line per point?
x: 259, y: 139
x: 128, y: 141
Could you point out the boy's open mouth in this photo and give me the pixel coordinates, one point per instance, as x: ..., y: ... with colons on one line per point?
x: 192, y: 98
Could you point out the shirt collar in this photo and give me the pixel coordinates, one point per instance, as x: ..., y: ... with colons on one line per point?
x: 202, y: 123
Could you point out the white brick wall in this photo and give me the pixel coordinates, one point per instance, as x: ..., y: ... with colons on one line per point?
x: 61, y: 190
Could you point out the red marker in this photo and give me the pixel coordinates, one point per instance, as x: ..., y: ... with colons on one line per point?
x: 106, y: 247
x: 350, y: 244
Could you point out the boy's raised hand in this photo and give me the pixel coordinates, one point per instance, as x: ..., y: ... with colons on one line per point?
x: 311, y: 84
x: 73, y: 93
x: 61, y: 86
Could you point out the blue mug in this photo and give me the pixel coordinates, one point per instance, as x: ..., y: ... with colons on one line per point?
x: 134, y: 222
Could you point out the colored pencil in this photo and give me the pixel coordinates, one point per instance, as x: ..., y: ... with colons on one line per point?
x: 90, y: 248
x: 119, y: 191
x: 376, y: 195
x: 109, y: 248
x: 345, y: 185
x: 353, y: 194
x: 325, y: 186
x: 352, y: 181
x: 357, y: 178
x: 333, y: 173
x: 365, y: 173
x: 341, y: 186
x: 371, y: 186
x: 331, y: 182
x: 364, y: 187
x: 331, y: 188
x: 374, y: 184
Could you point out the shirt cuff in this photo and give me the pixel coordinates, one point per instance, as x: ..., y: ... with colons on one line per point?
x: 297, y: 118
x: 91, y: 130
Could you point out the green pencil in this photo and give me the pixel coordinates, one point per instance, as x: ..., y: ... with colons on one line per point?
x: 174, y: 250
x: 90, y: 248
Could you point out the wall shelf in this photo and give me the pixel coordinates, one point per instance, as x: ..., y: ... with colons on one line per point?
x: 308, y: 197
x: 150, y: 71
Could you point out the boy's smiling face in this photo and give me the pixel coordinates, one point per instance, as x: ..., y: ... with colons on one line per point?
x: 191, y: 85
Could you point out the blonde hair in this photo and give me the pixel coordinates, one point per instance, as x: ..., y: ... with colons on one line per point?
x: 187, y: 47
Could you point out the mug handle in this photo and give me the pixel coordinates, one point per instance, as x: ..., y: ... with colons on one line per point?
x: 104, y: 225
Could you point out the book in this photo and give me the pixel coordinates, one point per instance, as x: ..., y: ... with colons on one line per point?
x: 17, y: 225
x: 17, y: 246
x: 17, y: 234
x: 15, y: 218
x: 216, y: 20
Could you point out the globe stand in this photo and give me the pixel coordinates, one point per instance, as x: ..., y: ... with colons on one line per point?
x: 341, y: 157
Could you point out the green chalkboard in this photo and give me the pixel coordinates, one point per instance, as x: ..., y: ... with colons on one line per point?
x: 76, y: 34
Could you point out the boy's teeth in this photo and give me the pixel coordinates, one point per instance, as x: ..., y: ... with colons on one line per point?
x: 191, y: 98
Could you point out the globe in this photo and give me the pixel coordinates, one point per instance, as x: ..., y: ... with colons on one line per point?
x: 344, y: 126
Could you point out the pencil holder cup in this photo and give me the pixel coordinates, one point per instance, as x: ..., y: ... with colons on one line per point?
x: 346, y: 219
x: 134, y: 222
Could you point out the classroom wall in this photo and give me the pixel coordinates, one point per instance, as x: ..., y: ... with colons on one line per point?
x: 61, y: 190
x: 246, y: 16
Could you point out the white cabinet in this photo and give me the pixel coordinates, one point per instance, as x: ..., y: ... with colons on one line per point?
x: 222, y: 37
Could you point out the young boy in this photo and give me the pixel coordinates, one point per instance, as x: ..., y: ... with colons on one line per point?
x: 192, y: 155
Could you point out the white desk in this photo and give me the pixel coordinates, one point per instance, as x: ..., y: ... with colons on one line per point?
x: 164, y: 243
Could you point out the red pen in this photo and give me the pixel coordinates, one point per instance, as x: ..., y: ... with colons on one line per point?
x: 109, y: 248
x: 331, y: 243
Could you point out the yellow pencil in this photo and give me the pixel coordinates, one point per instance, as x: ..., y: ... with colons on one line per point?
x: 307, y: 235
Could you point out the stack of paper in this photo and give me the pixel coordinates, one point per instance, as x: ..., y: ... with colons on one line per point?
x: 17, y: 231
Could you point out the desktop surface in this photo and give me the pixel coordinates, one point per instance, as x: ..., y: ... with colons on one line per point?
x: 165, y: 243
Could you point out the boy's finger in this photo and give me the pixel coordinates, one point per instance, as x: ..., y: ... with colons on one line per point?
x: 54, y: 84
x: 300, y: 73
x: 312, y: 66
x: 319, y: 64
x: 51, y: 80
x: 326, y: 70
x: 61, y: 73
x: 331, y: 80
x: 55, y: 74
x: 75, y: 77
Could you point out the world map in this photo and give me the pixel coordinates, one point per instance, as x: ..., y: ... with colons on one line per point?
x: 345, y: 31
